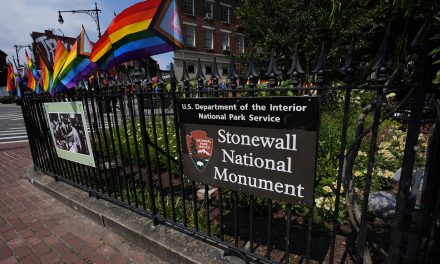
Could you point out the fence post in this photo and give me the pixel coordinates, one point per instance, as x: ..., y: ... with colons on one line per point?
x: 200, y: 78
x: 295, y: 70
x: 402, y: 218
x: 348, y: 70
x: 319, y: 69
x: 381, y: 66
x: 252, y: 75
x: 272, y: 72
x: 233, y: 75
x: 215, y: 76
x: 185, y: 80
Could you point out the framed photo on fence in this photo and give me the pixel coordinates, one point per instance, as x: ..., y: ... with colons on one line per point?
x: 69, y: 132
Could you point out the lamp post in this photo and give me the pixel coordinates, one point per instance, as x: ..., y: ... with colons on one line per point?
x: 17, y: 50
x: 93, y: 13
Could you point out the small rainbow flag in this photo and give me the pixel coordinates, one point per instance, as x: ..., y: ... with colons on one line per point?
x: 154, y: 84
x: 18, y: 79
x: 145, y: 29
x: 31, y: 67
x: 78, y: 64
x: 32, y: 83
x: 10, y: 77
x: 46, y: 72
x: 59, y: 60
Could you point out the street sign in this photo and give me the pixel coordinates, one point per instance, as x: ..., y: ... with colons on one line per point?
x: 264, y: 146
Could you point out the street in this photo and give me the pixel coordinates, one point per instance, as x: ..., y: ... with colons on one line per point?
x: 12, y: 128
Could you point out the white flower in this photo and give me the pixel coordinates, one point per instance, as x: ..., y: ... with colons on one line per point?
x: 327, y: 189
x: 388, y: 174
x: 362, y: 154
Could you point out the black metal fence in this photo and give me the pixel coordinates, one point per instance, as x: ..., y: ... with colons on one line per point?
x: 134, y: 136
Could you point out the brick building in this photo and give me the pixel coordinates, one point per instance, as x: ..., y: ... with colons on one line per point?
x: 3, y: 69
x: 210, y: 29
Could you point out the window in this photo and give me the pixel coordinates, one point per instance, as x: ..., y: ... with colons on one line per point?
x: 225, y: 70
x: 208, y: 70
x: 225, y: 14
x: 209, y: 10
x: 240, y: 44
x: 191, y: 69
x: 225, y: 40
x: 190, y: 36
x: 209, y: 39
x: 189, y: 7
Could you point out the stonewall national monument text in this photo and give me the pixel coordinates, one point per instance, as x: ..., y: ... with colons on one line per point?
x: 263, y: 146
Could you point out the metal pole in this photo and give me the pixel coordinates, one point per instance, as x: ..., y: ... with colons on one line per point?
x: 97, y: 19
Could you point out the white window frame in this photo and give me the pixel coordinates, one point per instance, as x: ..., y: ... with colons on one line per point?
x: 228, y: 7
x: 212, y: 8
x: 210, y: 30
x: 226, y: 33
x: 193, y: 27
x: 192, y: 5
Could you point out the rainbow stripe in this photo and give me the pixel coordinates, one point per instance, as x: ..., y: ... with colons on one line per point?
x: 31, y: 83
x: 78, y: 64
x: 18, y: 79
x: 11, y: 76
x: 145, y: 29
x: 46, y: 72
x: 59, y: 60
x: 32, y: 67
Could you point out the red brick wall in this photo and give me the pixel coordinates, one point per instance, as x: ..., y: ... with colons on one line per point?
x: 199, y: 19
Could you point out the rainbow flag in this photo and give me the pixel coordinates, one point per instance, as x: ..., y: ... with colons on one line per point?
x: 46, y: 72
x: 145, y: 29
x: 18, y: 79
x: 9, y: 79
x: 31, y: 67
x: 78, y: 64
x: 59, y: 60
x: 32, y: 83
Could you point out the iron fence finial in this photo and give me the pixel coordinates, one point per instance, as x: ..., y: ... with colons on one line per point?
x: 200, y: 74
x: 383, y: 60
x: 252, y: 72
x: 233, y: 75
x: 215, y: 75
x: 295, y: 68
x: 348, y: 68
x: 173, y: 78
x: 185, y: 75
x: 272, y: 71
x: 232, y: 69
x: 185, y: 78
x: 319, y: 69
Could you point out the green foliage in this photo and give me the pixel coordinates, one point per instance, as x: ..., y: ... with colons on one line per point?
x: 167, y: 210
x: 135, y: 140
x: 281, y: 24
x: 436, y: 51
x: 7, y: 100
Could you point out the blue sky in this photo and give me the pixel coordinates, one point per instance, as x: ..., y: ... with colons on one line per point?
x: 20, y: 17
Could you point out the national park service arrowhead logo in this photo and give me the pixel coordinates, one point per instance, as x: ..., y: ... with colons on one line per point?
x: 199, y: 148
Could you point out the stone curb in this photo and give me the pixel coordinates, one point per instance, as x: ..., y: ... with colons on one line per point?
x: 166, y: 243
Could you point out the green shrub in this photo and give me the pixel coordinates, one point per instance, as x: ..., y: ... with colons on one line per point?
x: 7, y: 100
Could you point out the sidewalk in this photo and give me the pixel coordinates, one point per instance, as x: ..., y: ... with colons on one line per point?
x: 36, y: 228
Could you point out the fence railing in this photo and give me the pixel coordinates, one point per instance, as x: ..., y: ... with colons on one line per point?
x: 134, y: 136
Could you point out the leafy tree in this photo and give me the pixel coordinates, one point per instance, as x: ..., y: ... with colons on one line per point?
x: 281, y: 24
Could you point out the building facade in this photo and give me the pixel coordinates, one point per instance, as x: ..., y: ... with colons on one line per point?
x: 210, y: 29
x: 46, y: 43
x: 3, y: 69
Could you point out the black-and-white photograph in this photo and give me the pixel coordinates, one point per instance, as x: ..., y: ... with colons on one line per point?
x: 68, y: 132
